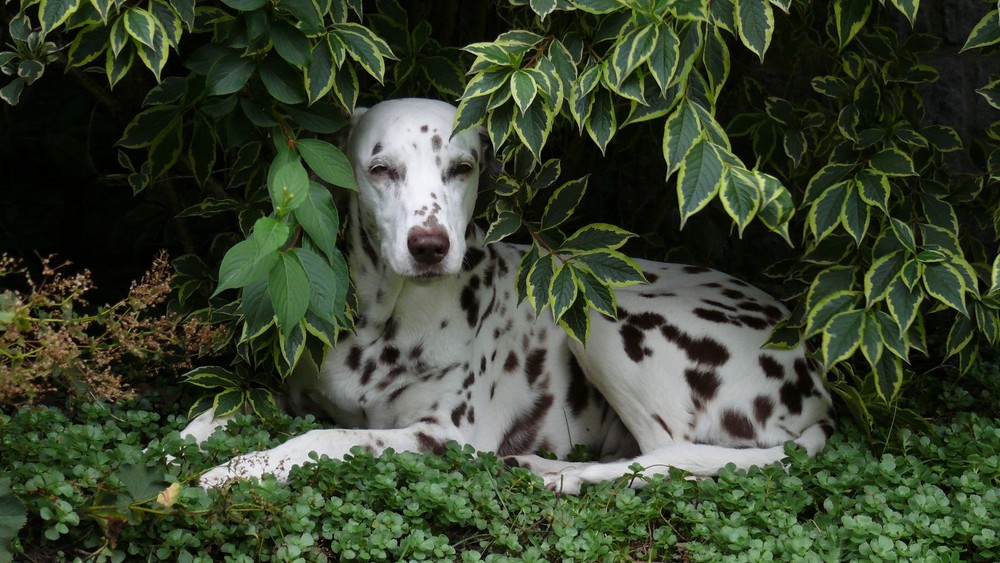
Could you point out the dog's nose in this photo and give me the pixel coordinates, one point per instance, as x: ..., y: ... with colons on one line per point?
x: 427, y: 246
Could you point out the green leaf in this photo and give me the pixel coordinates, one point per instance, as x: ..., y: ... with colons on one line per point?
x: 825, y: 214
x: 828, y: 306
x: 562, y: 203
x: 740, y: 195
x: 829, y: 281
x: 576, y: 321
x: 202, y: 149
x: 257, y: 310
x: 320, y: 75
x: 681, y: 131
x: 212, y: 377
x: 287, y: 182
x: 908, y: 8
x: 262, y: 402
x: 985, y: 33
x: 282, y: 81
x: 630, y: 51
x: 141, y: 25
x: 470, y: 113
x: 850, y: 16
x: 229, y: 74
x: 611, y: 267
x: 543, y: 7
x: 881, y: 274
x: 856, y: 215
x: 871, y: 340
x: 328, y: 162
x: 892, y: 162
x: 891, y: 336
x: 169, y: 21
x: 538, y: 282
x: 533, y: 127
x: 323, y: 290
x: 318, y: 217
x: 888, y: 377
x: 562, y: 291
x: 874, y: 189
x: 155, y: 56
x: 756, y: 24
x: 185, y: 10
x: 598, y: 296
x: 149, y: 126
x: 364, y: 47
x: 961, y: 333
x: 89, y: 43
x: 699, y: 179
x: 227, y: 402
x: 253, y: 258
x: 995, y: 276
x: 291, y: 44
x: 943, y: 282
x: 842, y: 336
x: 602, y: 123
x: 831, y: 174
x: 523, y: 88
x: 13, y: 516
x: 596, y: 236
x: 52, y: 13
x: 506, y: 224
x: 288, y: 287
x: 904, y: 234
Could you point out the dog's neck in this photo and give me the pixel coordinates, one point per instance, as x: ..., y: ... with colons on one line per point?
x: 378, y: 287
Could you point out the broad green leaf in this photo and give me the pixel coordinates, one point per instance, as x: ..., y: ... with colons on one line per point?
x: 596, y: 236
x: 523, y: 269
x: 562, y: 292
x: 89, y: 43
x: 831, y: 174
x: 880, y: 275
x: 290, y: 43
x: 699, y: 179
x: 323, y: 289
x: 856, y: 214
x: 891, y: 336
x: 829, y: 281
x: 229, y: 74
x: 245, y: 5
x: 185, y: 9
x: 165, y: 152
x: 871, y: 340
x: 777, y: 207
x: 740, y: 195
x: 533, y: 127
x: 258, y: 313
x: 538, y: 282
x: 995, y: 276
x: 364, y: 47
x: 842, y: 336
x: 562, y: 203
x: 908, y: 8
x: 319, y: 75
x: 889, y: 377
x: 155, y: 55
x: 318, y: 217
x: 756, y: 24
x: 602, y: 124
x: 961, y: 333
x: 52, y: 13
x: 262, y: 402
x: 543, y: 7
x: 227, y: 402
x: 904, y: 234
x: 523, y: 88
x: 141, y: 25
x: 282, y: 81
x: 715, y: 55
x: 287, y: 182
x: 149, y: 125
x: 988, y: 321
x: 169, y: 21
x: 630, y: 51
x: 892, y: 162
x: 611, y: 267
x: 117, y: 65
x: 985, y: 33
x: 251, y: 259
x: 850, y: 16
x: 598, y: 296
x: 471, y: 112
x: 943, y: 282
x: 874, y: 189
x: 328, y: 162
x: 825, y: 213
x: 345, y: 87
x: 212, y: 377
x: 828, y: 306
x: 289, y: 289
x: 663, y: 59
x: 576, y: 321
x: 506, y: 224
x: 681, y: 131
x: 202, y: 149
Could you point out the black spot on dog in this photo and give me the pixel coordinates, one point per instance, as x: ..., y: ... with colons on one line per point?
x: 751, y: 306
x: 482, y: 364
x: 428, y: 443
x: 711, y: 315
x: 659, y: 420
x: 696, y: 269
x: 753, y: 322
x: 763, y: 406
x: 719, y: 305
x: 417, y: 351
x: 827, y: 428
x: 470, y: 304
x: 771, y: 367
x: 436, y: 143
x: 520, y: 436
x: 354, y: 358
x: 369, y: 370
x: 473, y: 257
x: 512, y: 362
x: 390, y: 355
x: 773, y: 314
x: 423, y: 128
x: 534, y: 364
x: 704, y: 383
x: 456, y: 415
x: 469, y: 380
x: 734, y: 294
x: 376, y: 149
x: 791, y: 397
x: 737, y: 425
x: 395, y: 394
x: 703, y: 350
x: 651, y: 277
x: 578, y: 393
x: 444, y: 324
x: 646, y: 321
x: 633, y: 338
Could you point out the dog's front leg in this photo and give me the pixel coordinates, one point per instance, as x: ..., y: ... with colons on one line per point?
x: 335, y: 443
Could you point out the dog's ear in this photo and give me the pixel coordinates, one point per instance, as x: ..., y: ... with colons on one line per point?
x: 358, y: 112
x: 345, y: 133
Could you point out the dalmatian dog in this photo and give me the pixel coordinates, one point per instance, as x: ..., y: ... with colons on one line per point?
x: 444, y: 351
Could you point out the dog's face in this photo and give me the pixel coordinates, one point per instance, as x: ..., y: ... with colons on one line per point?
x: 417, y: 184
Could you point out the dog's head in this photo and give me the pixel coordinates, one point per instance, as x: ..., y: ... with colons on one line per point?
x: 417, y: 184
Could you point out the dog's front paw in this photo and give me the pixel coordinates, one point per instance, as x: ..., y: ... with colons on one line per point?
x: 250, y: 466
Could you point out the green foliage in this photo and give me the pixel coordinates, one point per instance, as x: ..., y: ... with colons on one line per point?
x: 892, y: 271
x: 85, y: 487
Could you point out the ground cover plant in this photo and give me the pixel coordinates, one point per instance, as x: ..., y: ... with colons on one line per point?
x: 711, y: 132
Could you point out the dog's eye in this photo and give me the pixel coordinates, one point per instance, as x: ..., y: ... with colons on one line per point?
x: 378, y: 170
x: 462, y: 168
